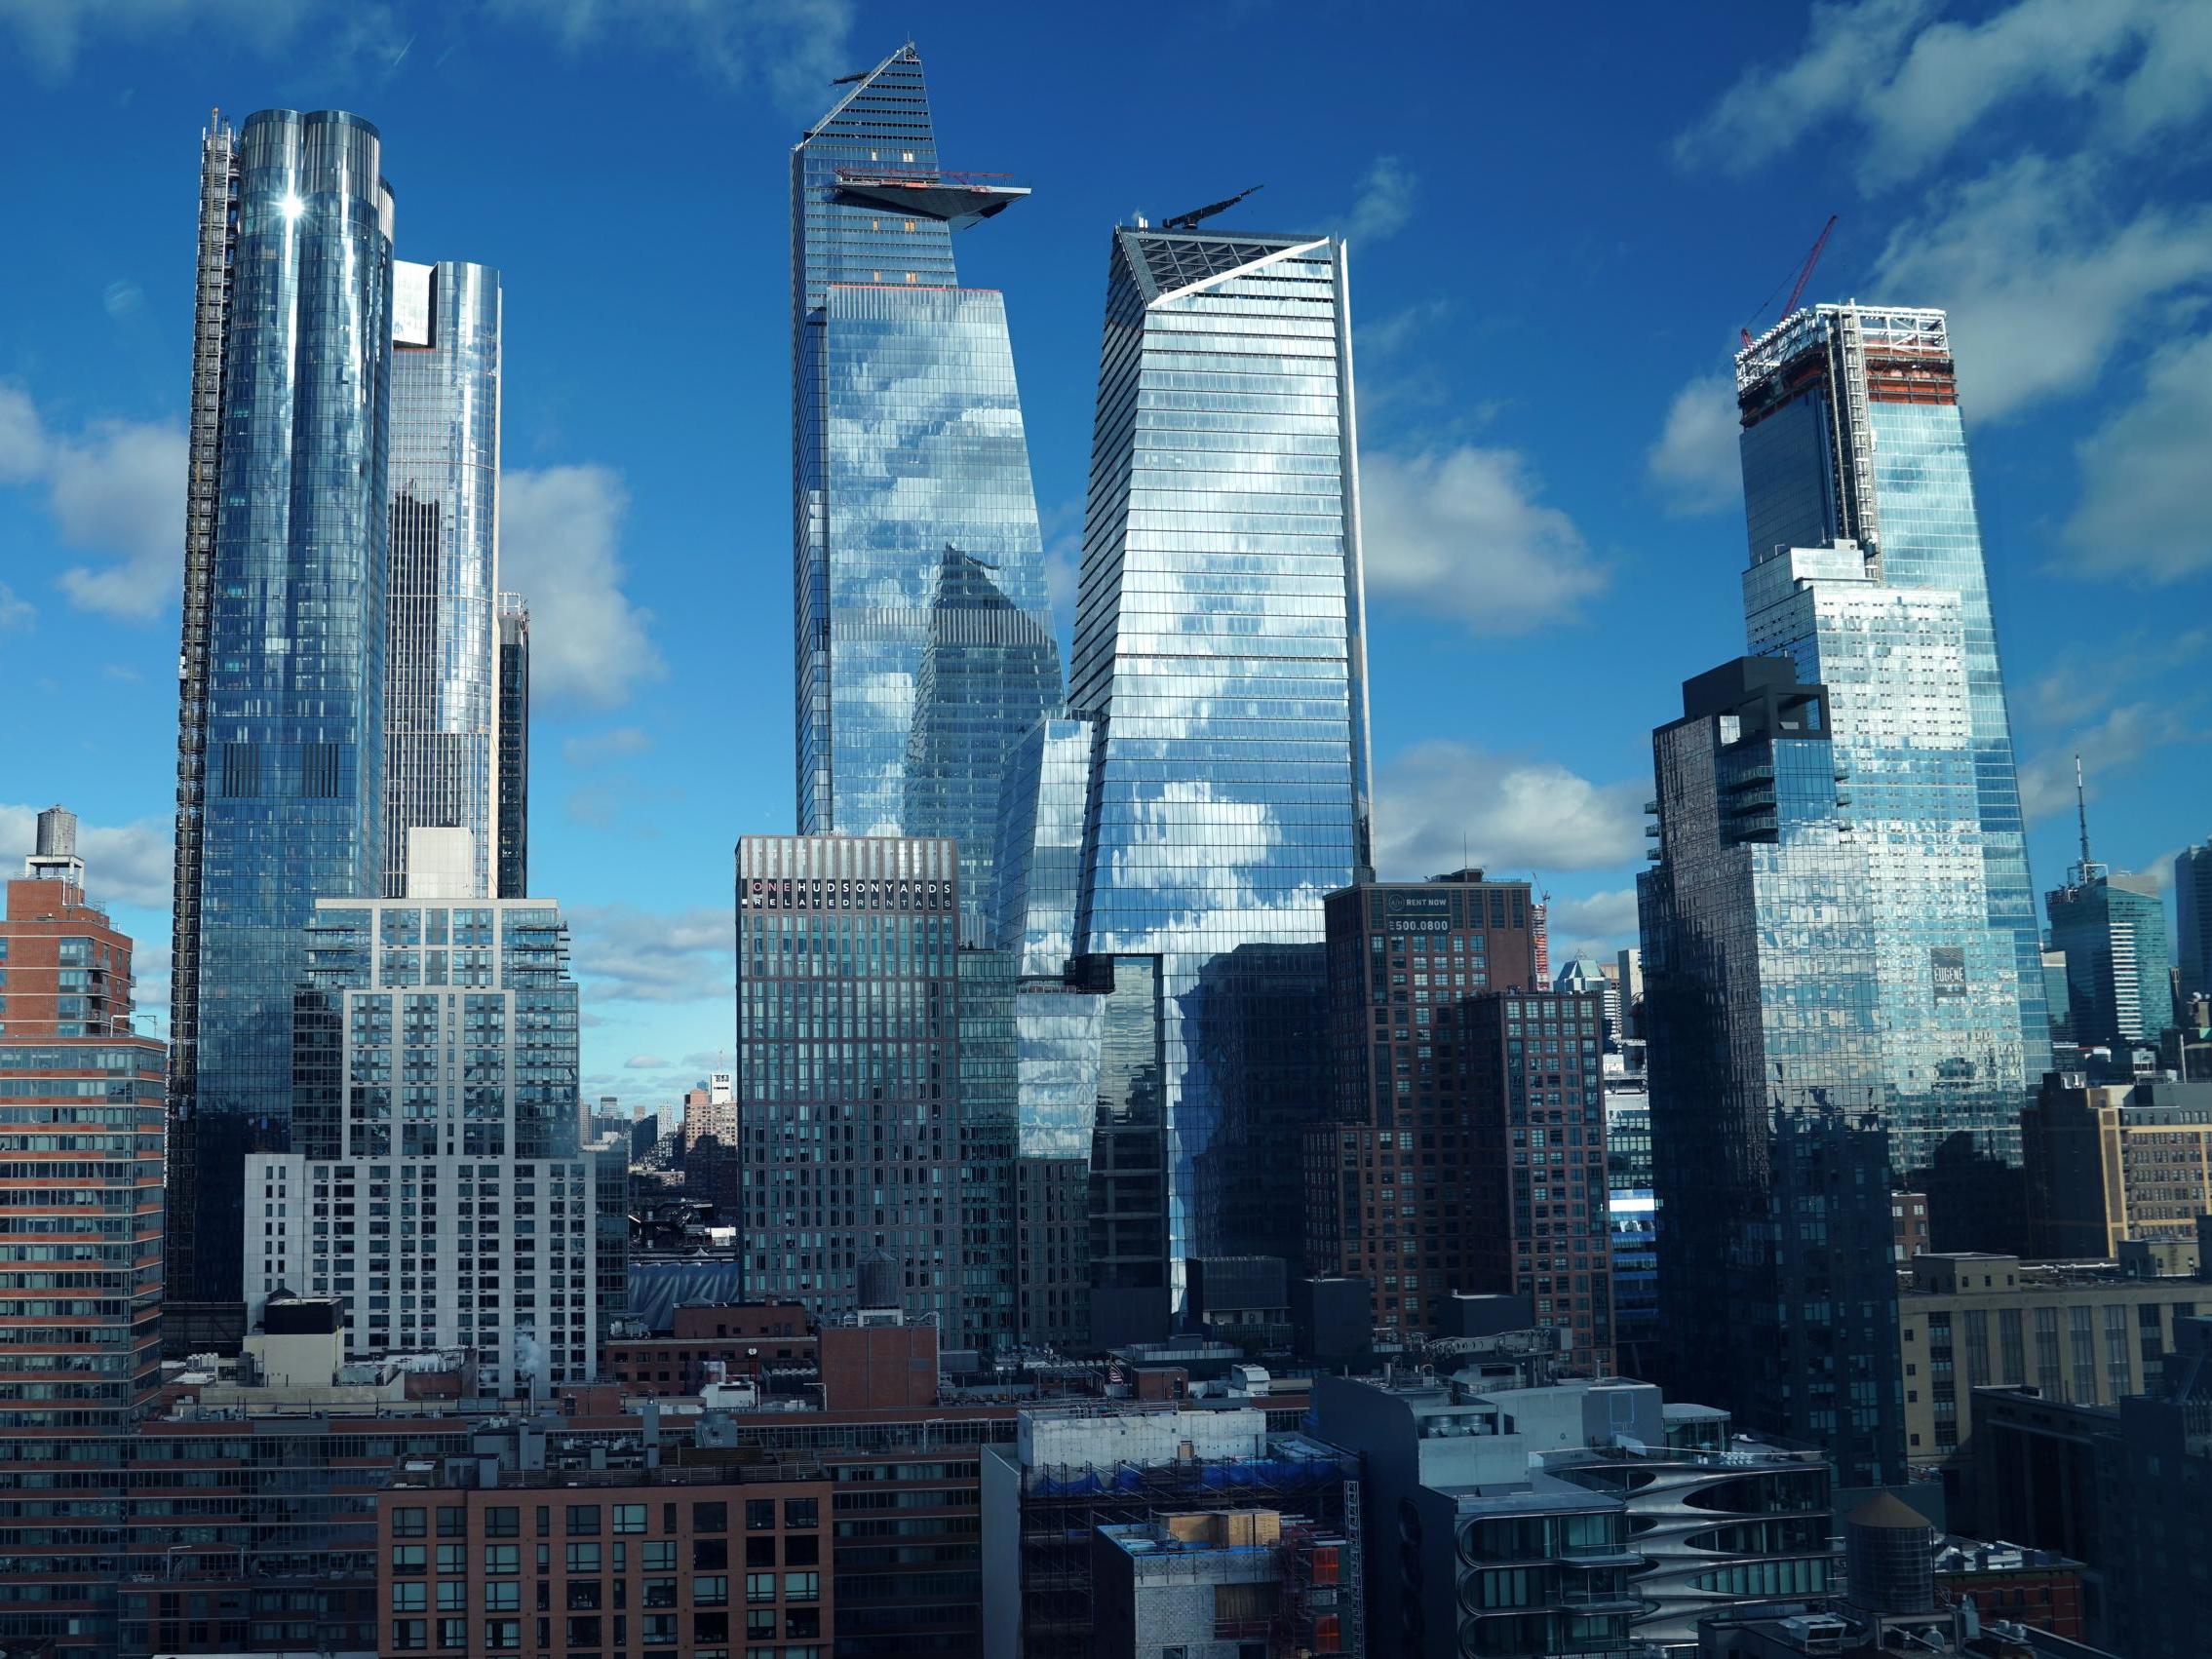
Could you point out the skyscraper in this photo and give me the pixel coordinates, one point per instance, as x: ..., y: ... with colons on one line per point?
x: 1770, y: 1153
x: 2192, y: 918
x: 435, y: 1043
x: 1852, y: 431
x: 514, y: 746
x: 848, y: 1035
x: 1466, y: 1145
x: 917, y: 563
x: 280, y: 719
x: 80, y: 1278
x: 1897, y: 670
x: 1217, y: 647
x: 2111, y: 928
x: 442, y: 647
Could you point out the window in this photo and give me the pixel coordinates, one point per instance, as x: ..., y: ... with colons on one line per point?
x: 503, y: 1523
x: 583, y: 1557
x: 661, y: 1591
x: 710, y: 1555
x: 408, y: 1634
x: 584, y: 1633
x: 583, y: 1519
x: 409, y: 1558
x: 452, y: 1633
x: 760, y: 1587
x: 503, y: 1558
x: 410, y: 1523
x: 801, y: 1512
x: 760, y: 1515
x: 802, y: 1586
x: 452, y: 1521
x: 710, y: 1592
x: 411, y: 1598
x: 502, y: 1634
x: 454, y: 1596
x: 502, y: 1598
x: 629, y: 1518
x: 660, y: 1556
x: 584, y: 1595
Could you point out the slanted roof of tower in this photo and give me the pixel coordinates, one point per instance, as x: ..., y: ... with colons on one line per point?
x: 1168, y: 263
x: 859, y: 84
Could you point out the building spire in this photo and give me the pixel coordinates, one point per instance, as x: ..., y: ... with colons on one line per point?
x: 2082, y: 810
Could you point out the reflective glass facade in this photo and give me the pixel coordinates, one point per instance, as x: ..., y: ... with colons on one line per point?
x: 442, y: 644
x: 286, y: 708
x: 1851, y: 429
x: 1893, y: 659
x: 1040, y: 845
x: 1762, y: 1014
x: 917, y: 559
x: 1217, y: 646
x: 2110, y: 927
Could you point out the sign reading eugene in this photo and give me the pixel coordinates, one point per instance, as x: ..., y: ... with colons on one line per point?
x: 1947, y: 971
x: 1417, y: 912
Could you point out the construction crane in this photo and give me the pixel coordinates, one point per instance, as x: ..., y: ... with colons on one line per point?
x: 1190, y: 221
x: 1797, y: 289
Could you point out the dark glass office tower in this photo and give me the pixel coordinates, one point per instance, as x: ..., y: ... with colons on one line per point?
x: 1852, y: 432
x: 442, y: 645
x: 281, y: 728
x: 1217, y: 647
x: 848, y: 1035
x: 910, y: 471
x: 1770, y: 1156
x: 514, y: 746
x: 2192, y: 918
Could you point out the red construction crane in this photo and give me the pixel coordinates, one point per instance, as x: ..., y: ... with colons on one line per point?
x: 1797, y: 289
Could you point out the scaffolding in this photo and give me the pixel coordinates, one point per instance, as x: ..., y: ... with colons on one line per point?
x: 1064, y: 1504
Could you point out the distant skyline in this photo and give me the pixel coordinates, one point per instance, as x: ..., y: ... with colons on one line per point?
x: 1552, y: 247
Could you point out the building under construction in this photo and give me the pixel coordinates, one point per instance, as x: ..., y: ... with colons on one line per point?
x: 1203, y: 1518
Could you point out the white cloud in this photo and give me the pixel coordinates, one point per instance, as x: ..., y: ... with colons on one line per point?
x: 559, y: 533
x: 1442, y: 805
x: 2039, y: 276
x: 115, y: 490
x: 2146, y: 508
x: 1911, y: 87
x: 626, y: 954
x: 14, y: 612
x: 54, y: 34
x: 1695, y: 460
x: 1385, y: 203
x: 1389, y: 335
x: 593, y: 748
x: 1461, y: 532
x: 2086, y: 680
x: 645, y: 1063
x: 793, y: 46
x: 1770, y: 109
x: 2113, y: 746
x: 127, y: 863
x: 1596, y: 924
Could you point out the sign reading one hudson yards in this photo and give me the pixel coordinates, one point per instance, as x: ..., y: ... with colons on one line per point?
x: 924, y: 649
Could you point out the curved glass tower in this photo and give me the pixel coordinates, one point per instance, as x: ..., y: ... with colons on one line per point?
x: 1218, y: 648
x: 910, y: 489
x: 282, y: 717
x: 441, y: 702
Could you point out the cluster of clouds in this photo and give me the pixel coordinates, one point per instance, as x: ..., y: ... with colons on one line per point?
x: 787, y: 48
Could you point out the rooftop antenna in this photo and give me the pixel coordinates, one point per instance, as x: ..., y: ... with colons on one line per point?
x: 1190, y: 221
x: 2082, y: 808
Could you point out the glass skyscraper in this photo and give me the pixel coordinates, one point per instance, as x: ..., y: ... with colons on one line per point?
x: 1894, y: 662
x: 441, y: 705
x: 1762, y: 1014
x: 1852, y: 431
x: 2193, y: 918
x: 916, y: 554
x: 2111, y: 928
x: 1217, y: 650
x: 280, y: 730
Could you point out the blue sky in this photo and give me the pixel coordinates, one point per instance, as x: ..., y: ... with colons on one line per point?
x: 1556, y: 228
